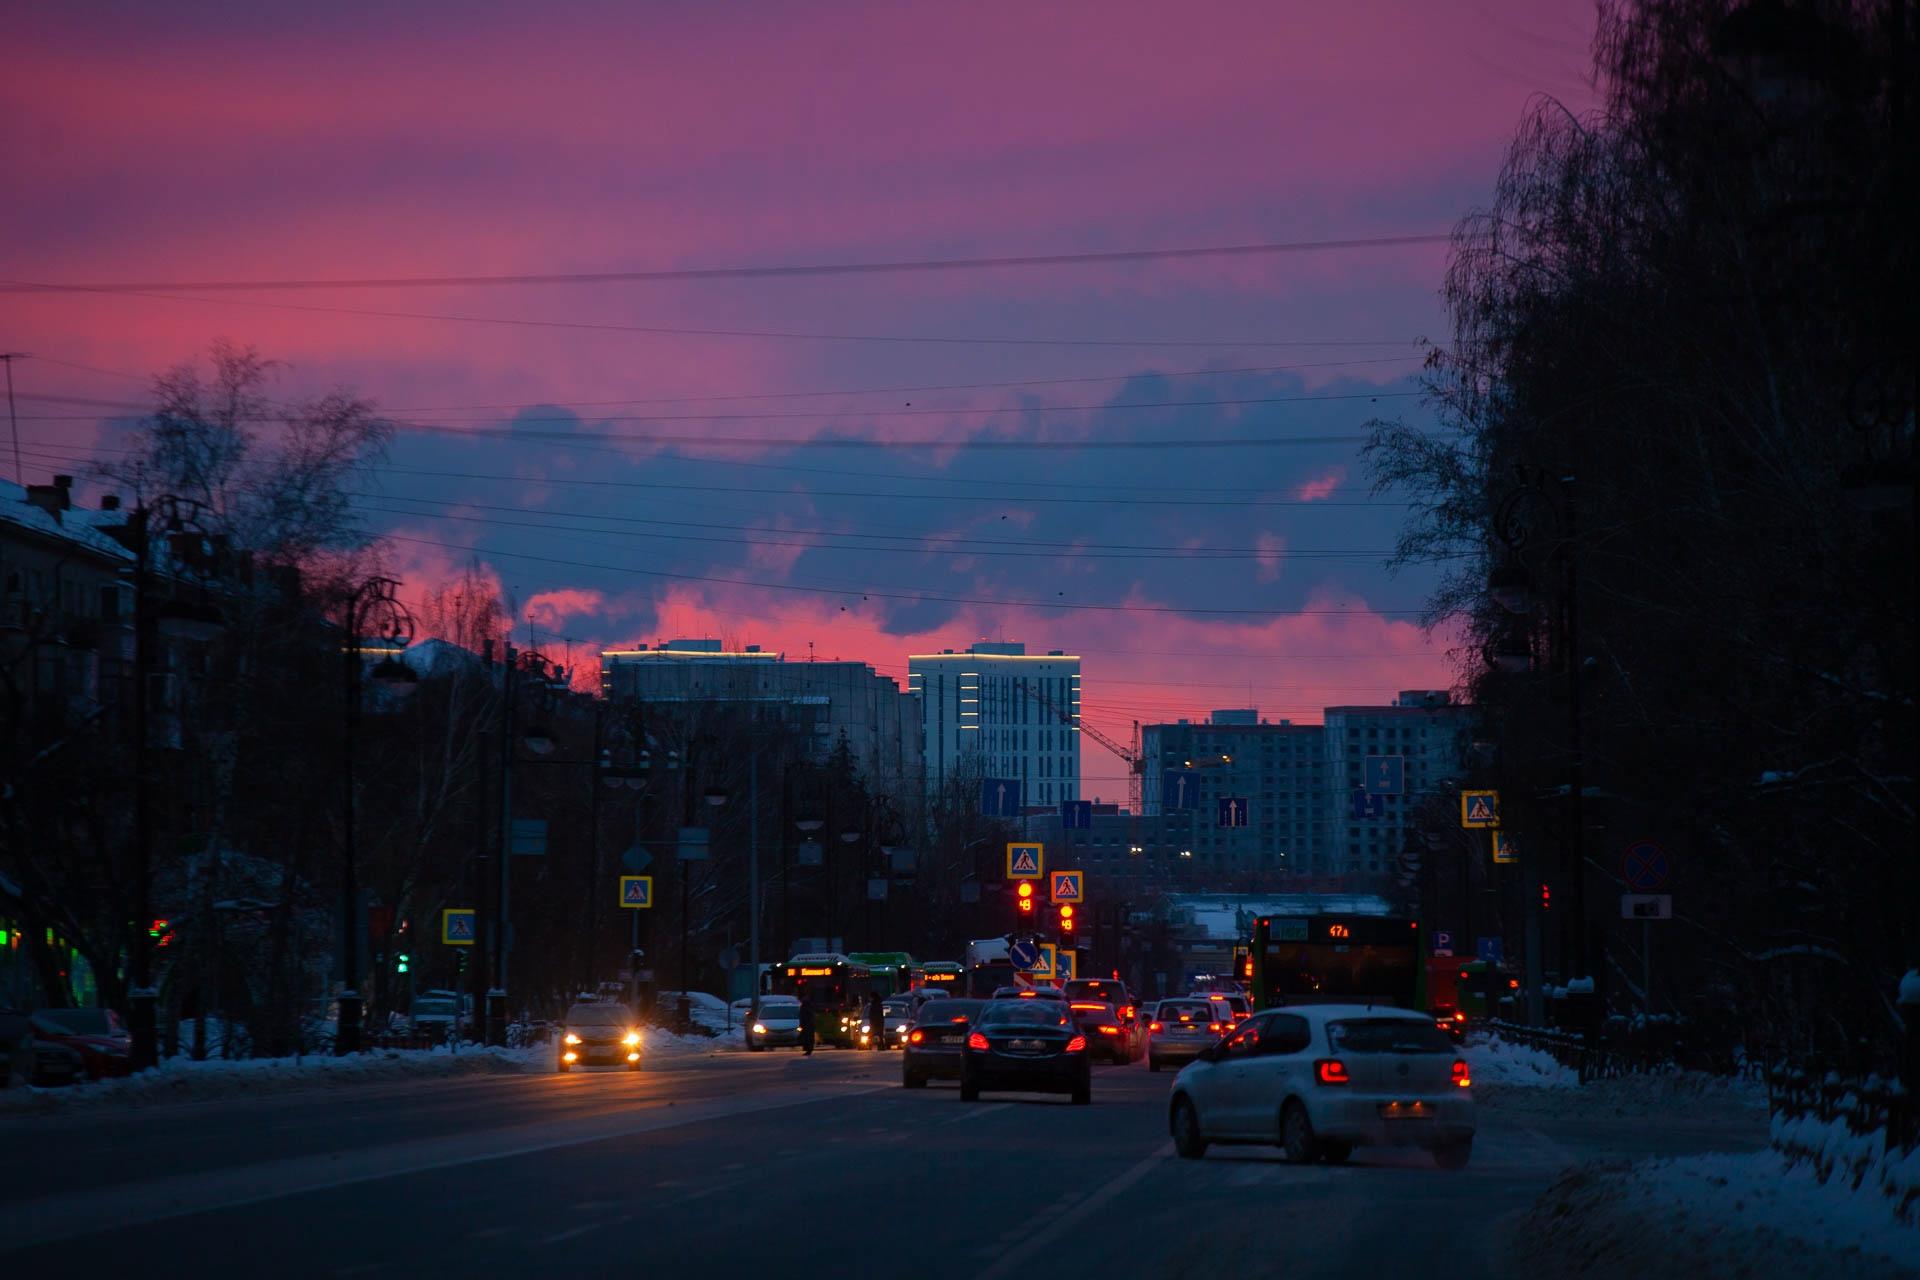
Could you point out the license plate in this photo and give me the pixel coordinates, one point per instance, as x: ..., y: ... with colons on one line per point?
x: 1025, y: 1046
x: 1406, y: 1111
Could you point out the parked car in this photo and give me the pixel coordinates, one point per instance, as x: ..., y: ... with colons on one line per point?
x: 97, y: 1036
x: 30, y: 1061
x: 437, y: 1013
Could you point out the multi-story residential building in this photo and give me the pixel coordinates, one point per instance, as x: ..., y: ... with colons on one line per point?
x: 1428, y: 731
x: 1003, y: 712
x: 826, y: 702
x: 1281, y: 771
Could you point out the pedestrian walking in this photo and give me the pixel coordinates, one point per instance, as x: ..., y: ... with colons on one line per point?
x: 876, y: 1019
x: 806, y: 1024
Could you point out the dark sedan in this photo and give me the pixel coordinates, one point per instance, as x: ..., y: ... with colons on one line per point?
x: 935, y: 1041
x: 1025, y: 1046
x: 1107, y: 1036
x: 95, y: 1035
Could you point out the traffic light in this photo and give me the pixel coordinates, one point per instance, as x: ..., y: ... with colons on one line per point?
x: 1066, y: 917
x: 1546, y: 896
x: 1026, y: 897
x: 400, y: 961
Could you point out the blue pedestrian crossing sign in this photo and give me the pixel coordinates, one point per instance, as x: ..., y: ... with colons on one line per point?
x: 1076, y: 815
x: 1000, y: 797
x: 1503, y: 850
x: 1179, y: 789
x: 1026, y: 860
x: 1066, y: 964
x: 1068, y: 886
x: 1386, y: 775
x: 457, y: 926
x: 636, y: 891
x: 1479, y: 808
x: 1024, y: 954
x: 1231, y: 811
x: 1042, y: 967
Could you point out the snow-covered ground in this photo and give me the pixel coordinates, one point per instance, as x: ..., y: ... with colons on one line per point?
x: 1516, y: 1078
x: 1716, y: 1215
x: 1495, y: 1062
x: 181, y: 1079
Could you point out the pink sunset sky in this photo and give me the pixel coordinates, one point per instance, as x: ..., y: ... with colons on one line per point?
x: 154, y: 147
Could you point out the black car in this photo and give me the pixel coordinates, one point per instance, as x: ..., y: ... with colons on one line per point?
x: 1107, y: 1037
x: 1025, y: 1046
x: 935, y: 1039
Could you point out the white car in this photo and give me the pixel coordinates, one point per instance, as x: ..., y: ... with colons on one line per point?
x: 1320, y: 1080
x: 779, y: 1023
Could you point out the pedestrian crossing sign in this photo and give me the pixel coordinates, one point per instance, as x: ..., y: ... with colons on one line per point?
x: 1479, y: 808
x: 457, y: 927
x: 1043, y: 967
x: 1068, y: 886
x: 636, y: 891
x: 1503, y: 850
x: 1026, y: 861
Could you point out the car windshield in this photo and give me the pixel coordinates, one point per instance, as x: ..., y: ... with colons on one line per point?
x: 897, y: 1008
x: 1101, y: 1017
x: 1188, y: 1011
x: 83, y: 1022
x: 596, y: 1015
x: 1388, y: 1035
x: 1025, y: 1013
x: 949, y: 1011
x: 780, y: 1006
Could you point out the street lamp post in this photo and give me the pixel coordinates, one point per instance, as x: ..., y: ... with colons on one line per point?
x: 373, y: 606
x: 808, y: 824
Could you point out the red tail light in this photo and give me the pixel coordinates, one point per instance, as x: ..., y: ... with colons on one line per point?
x: 977, y: 1042
x: 1077, y: 1045
x: 1457, y: 1017
x: 1104, y: 1030
x: 1237, y: 1017
x: 1461, y: 1076
x: 913, y: 1037
x: 1151, y: 1026
x: 1218, y: 1028
x: 1331, y: 1071
x: 1126, y: 1010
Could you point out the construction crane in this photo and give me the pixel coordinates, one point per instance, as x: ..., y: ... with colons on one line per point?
x: 1136, y: 763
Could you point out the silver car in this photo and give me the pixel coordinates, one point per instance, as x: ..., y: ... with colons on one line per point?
x: 1320, y: 1080
x: 778, y: 1023
x: 1179, y: 1029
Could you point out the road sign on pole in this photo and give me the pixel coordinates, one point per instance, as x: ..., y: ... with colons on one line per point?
x: 1023, y: 953
x: 1489, y: 950
x: 528, y: 837
x: 1386, y: 775
x: 1043, y: 966
x: 1066, y: 964
x: 1646, y: 906
x: 457, y: 927
x: 1000, y: 797
x: 1644, y: 866
x: 693, y: 844
x: 1076, y: 815
x: 1367, y: 806
x: 636, y: 891
x: 1026, y: 860
x: 1068, y: 886
x: 1231, y: 811
x: 1442, y: 942
x: 1503, y: 847
x: 1179, y: 789
x: 1479, y: 808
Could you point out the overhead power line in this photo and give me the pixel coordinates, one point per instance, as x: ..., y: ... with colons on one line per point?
x: 769, y: 272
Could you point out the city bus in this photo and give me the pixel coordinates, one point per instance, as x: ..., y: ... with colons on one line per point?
x: 892, y: 971
x: 986, y: 970
x: 1330, y: 959
x: 834, y: 986
x: 942, y: 974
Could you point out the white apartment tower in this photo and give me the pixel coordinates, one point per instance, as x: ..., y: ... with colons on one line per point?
x: 1018, y: 713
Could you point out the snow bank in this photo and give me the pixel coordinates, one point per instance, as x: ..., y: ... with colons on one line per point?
x: 1836, y: 1154
x: 1519, y: 1079
x: 1748, y: 1214
x: 1496, y: 1062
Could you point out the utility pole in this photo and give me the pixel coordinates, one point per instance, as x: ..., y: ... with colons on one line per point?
x: 142, y: 996
x: 497, y: 993
x: 7, y: 358
x: 753, y: 876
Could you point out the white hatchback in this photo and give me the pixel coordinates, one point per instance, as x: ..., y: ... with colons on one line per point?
x: 1320, y: 1080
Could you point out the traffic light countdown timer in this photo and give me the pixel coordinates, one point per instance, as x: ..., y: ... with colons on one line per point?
x: 1026, y: 897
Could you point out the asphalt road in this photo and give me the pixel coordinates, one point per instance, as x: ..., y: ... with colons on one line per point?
x: 737, y: 1163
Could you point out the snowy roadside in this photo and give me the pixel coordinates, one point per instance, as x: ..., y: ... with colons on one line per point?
x: 1714, y: 1215
x: 182, y: 1079
x: 1517, y: 1079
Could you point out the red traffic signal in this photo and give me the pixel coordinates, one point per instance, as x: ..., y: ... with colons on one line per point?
x: 1546, y: 896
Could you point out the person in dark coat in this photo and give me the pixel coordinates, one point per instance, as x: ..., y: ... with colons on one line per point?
x: 876, y: 1019
x: 806, y: 1023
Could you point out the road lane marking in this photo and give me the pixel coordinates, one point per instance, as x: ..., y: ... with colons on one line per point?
x: 70, y: 1215
x: 1013, y: 1259
x: 972, y: 1113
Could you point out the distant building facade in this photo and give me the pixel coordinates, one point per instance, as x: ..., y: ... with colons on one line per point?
x: 1428, y: 731
x: 1009, y: 713
x: 1280, y: 769
x: 824, y: 702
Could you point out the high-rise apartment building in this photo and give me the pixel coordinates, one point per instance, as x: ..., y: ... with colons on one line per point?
x: 1428, y: 731
x: 1281, y: 771
x: 1014, y: 713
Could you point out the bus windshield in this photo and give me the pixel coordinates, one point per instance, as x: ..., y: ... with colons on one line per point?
x: 1303, y: 960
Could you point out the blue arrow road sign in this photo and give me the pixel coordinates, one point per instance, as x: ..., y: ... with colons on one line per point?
x: 1488, y: 950
x: 1386, y: 775
x: 1179, y: 789
x: 1231, y: 812
x: 1366, y: 806
x: 1000, y: 797
x: 1023, y: 952
x: 1076, y: 815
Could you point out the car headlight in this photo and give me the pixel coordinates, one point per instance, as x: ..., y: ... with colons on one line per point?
x: 633, y: 1040
x: 572, y: 1038
x: 759, y: 1028
x: 902, y: 1028
x: 865, y: 1029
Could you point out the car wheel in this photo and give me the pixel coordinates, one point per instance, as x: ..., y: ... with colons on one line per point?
x: 1335, y: 1152
x: 913, y: 1080
x: 1296, y: 1134
x: 1185, y: 1125
x: 1454, y: 1155
x: 1153, y: 1064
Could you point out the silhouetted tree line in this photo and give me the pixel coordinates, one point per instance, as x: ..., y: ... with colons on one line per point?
x: 1677, y: 417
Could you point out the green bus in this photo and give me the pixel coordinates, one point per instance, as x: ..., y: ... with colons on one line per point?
x: 1337, y: 959
x: 891, y: 971
x: 944, y: 975
x: 834, y: 986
